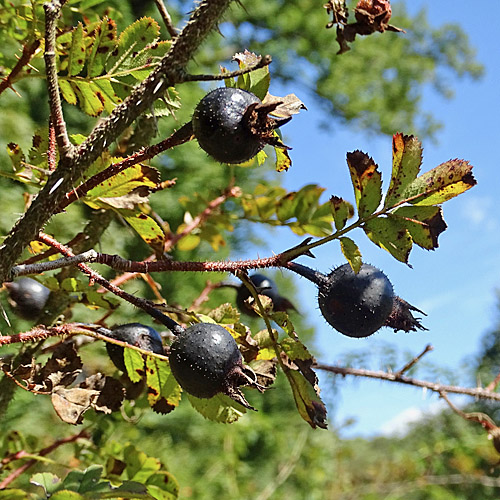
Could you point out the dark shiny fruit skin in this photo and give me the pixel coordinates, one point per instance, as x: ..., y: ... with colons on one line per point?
x: 203, y: 359
x: 136, y: 334
x: 28, y: 297
x: 220, y: 128
x: 356, y: 305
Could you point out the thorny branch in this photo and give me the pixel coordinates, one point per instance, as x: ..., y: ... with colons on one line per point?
x: 476, y: 392
x: 97, y: 278
x: 52, y: 13
x: 29, y: 50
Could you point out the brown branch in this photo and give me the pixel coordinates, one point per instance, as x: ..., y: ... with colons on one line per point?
x: 97, y: 278
x: 52, y: 13
x: 170, y: 71
x: 491, y: 386
x: 261, y: 63
x: 45, y: 451
x: 392, y: 377
x: 29, y: 50
x: 173, y: 32
x: 414, y: 361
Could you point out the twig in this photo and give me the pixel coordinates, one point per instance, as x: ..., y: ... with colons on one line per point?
x: 52, y: 149
x: 25, y: 269
x: 485, y: 420
x: 29, y: 50
x: 97, y: 278
x: 203, y: 297
x: 52, y: 13
x: 391, y: 377
x: 45, y: 451
x: 261, y: 63
x: 491, y: 386
x: 414, y: 361
x: 230, y: 192
x: 173, y: 32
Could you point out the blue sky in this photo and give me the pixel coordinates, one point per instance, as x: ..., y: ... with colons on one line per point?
x: 456, y: 284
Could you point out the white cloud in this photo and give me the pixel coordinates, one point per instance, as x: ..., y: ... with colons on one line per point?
x: 401, y: 423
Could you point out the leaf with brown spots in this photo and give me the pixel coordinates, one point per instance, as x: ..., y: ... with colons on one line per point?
x: 406, y: 161
x: 391, y: 234
x: 442, y: 183
x: 77, y: 51
x: 104, y: 43
x: 164, y: 393
x: 366, y: 181
x: 424, y: 223
x: 341, y: 210
x: 146, y: 227
x: 134, y: 363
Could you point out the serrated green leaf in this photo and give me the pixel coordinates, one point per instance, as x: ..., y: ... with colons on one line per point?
x: 137, y: 176
x: 425, y: 224
x: 295, y: 349
x: 163, y: 486
x: 67, y: 91
x: 308, y: 403
x: 342, y: 211
x: 441, y: 183
x: 366, y: 181
x: 351, y: 253
x: 132, y: 40
x: 90, y: 102
x: 104, y: 44
x: 139, y: 466
x: 406, y: 161
x: 106, y: 94
x: 390, y: 234
x: 134, y: 363
x: 46, y: 480
x: 307, y: 202
x: 164, y: 393
x: 220, y: 408
x: 146, y: 227
x: 77, y: 51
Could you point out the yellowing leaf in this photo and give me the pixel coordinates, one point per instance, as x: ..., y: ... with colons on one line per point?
x: 441, y: 183
x: 406, y: 161
x: 134, y: 363
x: 341, y: 210
x: 351, y: 253
x: 146, y: 227
x: 163, y: 390
x: 367, y: 182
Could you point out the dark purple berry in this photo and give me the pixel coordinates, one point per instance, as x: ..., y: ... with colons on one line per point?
x: 135, y: 334
x: 232, y: 125
x: 356, y: 305
x: 205, y: 361
x: 27, y: 297
x: 264, y: 286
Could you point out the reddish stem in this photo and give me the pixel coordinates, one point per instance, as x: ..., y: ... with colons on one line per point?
x: 28, y: 52
x: 97, y: 278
